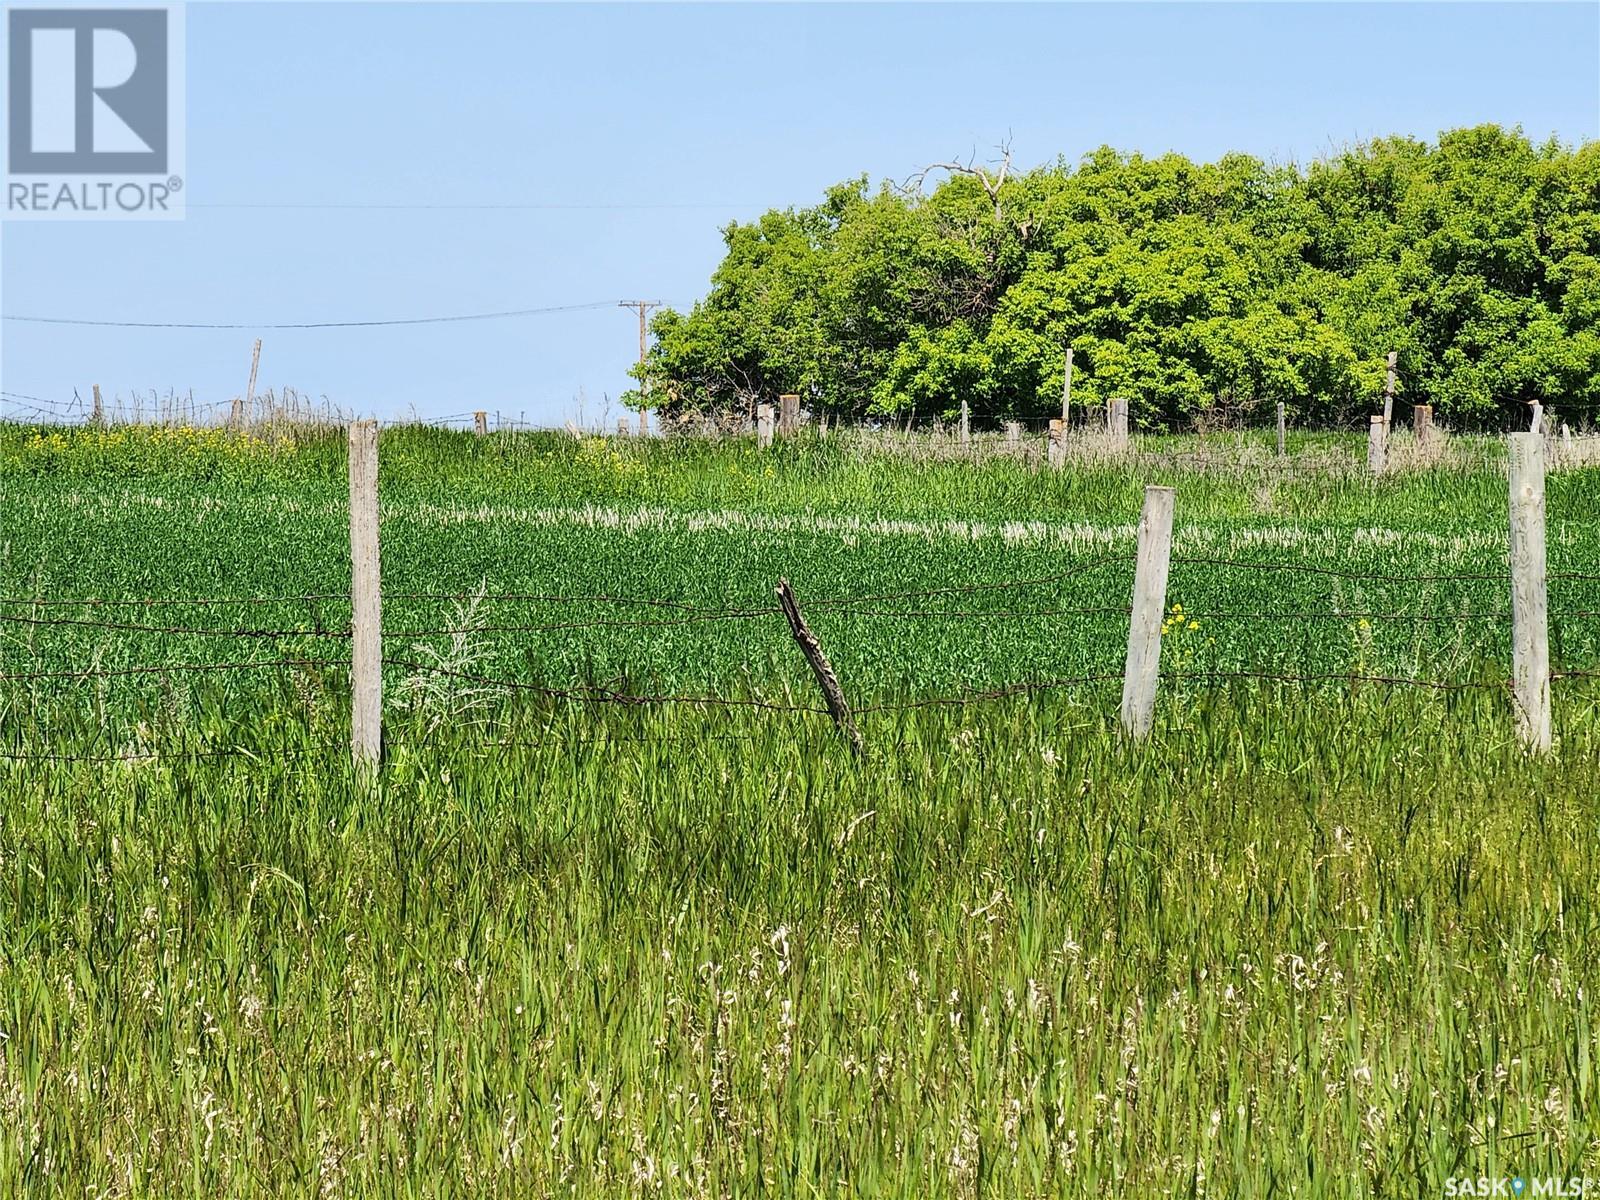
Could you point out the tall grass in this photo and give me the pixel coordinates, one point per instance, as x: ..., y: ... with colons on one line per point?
x: 1337, y: 951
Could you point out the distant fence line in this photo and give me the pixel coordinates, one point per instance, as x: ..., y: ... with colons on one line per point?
x: 1086, y: 434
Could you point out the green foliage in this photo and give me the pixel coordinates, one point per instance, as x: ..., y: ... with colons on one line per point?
x: 1187, y: 287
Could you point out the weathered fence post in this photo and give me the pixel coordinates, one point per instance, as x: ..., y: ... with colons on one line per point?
x: 1422, y: 424
x: 1377, y: 451
x: 1013, y: 435
x: 1066, y: 392
x: 1282, y: 430
x: 623, y: 428
x: 1149, y: 607
x: 1056, y: 445
x: 1530, y: 635
x: 788, y: 413
x: 966, y: 423
x: 832, y: 693
x: 1388, y: 393
x: 99, y: 407
x: 480, y: 423
x: 1566, y: 443
x: 1536, y: 422
x: 366, y: 618
x: 1117, y: 422
x: 764, y: 426
x: 249, y: 405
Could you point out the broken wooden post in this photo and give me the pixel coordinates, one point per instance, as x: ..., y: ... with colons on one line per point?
x: 1536, y: 422
x: 1117, y: 418
x: 623, y: 428
x: 480, y: 423
x: 1422, y: 424
x: 788, y: 413
x: 832, y: 693
x: 764, y: 426
x: 1013, y: 435
x: 1056, y: 445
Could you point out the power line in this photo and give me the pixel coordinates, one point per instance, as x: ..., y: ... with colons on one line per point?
x: 485, y: 316
x: 513, y: 207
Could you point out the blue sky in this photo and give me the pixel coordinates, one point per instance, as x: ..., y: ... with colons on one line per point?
x: 630, y: 134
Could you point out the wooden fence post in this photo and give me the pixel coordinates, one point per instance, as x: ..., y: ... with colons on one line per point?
x: 1282, y: 429
x: 1149, y: 608
x: 1117, y: 418
x: 1422, y: 424
x: 247, y: 409
x: 788, y: 413
x: 1388, y: 393
x: 1056, y: 445
x: 366, y: 619
x: 623, y: 428
x: 1376, y: 450
x: 1536, y: 420
x: 1530, y: 644
x: 1066, y: 392
x: 832, y: 693
x: 99, y: 407
x: 966, y: 423
x: 764, y: 426
x: 1013, y: 435
x: 480, y: 423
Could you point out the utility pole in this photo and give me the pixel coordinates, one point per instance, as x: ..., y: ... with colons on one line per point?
x: 643, y: 306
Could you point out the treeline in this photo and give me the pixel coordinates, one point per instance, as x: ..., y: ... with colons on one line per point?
x: 1190, y: 288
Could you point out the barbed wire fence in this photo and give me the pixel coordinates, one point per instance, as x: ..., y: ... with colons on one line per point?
x: 1528, y: 685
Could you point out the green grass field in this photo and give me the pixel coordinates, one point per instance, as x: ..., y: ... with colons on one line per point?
x: 1324, y: 938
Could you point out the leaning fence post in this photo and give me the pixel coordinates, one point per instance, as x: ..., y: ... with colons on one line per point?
x: 366, y: 620
x: 832, y: 693
x: 1149, y: 607
x: 764, y: 426
x: 1530, y: 635
x: 1281, y: 429
x: 1376, y: 450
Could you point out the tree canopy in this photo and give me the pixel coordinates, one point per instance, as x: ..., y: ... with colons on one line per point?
x: 1189, y: 288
